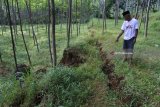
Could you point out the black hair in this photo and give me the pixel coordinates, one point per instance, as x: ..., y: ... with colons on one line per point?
x: 125, y: 13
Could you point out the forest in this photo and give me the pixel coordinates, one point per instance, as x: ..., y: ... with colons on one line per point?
x: 68, y: 53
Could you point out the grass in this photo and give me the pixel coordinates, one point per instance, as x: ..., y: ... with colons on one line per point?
x: 85, y: 85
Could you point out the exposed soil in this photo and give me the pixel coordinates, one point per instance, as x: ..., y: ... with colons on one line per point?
x: 3, y: 70
x: 72, y: 57
x: 114, y: 81
x: 23, y: 68
x: 37, y: 99
x: 126, y: 99
x: 41, y: 70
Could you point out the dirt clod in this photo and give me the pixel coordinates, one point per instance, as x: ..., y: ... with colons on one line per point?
x: 23, y: 68
x: 72, y: 57
x: 126, y: 99
x: 98, y: 44
x: 3, y: 70
x: 108, y: 68
x: 38, y: 98
x: 42, y: 70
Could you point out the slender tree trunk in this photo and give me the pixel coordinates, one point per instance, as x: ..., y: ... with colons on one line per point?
x: 127, y: 3
x: 61, y: 17
x: 37, y: 21
x: 116, y: 12
x: 141, y: 17
x: 12, y: 37
x: 104, y: 16
x: 137, y: 9
x: 1, y: 20
x: 69, y: 23
x: 77, y: 17
x: 20, y: 21
x: 1, y: 28
x: 53, y: 33
x: 14, y: 20
x: 147, y: 19
x: 158, y: 4
x: 49, y: 39
x: 80, y: 18
x: 30, y: 17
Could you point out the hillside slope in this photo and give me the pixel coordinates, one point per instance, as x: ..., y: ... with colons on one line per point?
x: 86, y: 85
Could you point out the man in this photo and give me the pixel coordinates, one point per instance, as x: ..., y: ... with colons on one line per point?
x: 130, y: 30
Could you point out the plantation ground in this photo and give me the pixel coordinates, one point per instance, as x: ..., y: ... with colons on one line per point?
x: 85, y: 85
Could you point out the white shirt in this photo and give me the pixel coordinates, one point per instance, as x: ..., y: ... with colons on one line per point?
x: 129, y: 28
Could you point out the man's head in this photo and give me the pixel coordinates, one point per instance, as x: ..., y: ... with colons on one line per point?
x: 126, y: 15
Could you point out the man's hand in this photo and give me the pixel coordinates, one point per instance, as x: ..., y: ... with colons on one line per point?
x: 117, y: 40
x: 136, y: 34
x: 134, y: 40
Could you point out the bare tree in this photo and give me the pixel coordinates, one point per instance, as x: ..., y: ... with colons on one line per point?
x: 127, y: 5
x: 49, y: 39
x: 61, y: 17
x: 53, y: 20
x: 116, y: 12
x: 14, y: 20
x: 137, y: 8
x: 69, y: 22
x: 147, y: 19
x: 142, y: 13
x: 30, y: 17
x: 80, y: 17
x: 158, y: 4
x: 23, y: 33
x: 11, y: 30
x: 77, y: 18
x: 104, y: 16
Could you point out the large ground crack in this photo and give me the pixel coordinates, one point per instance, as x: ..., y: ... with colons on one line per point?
x: 114, y: 81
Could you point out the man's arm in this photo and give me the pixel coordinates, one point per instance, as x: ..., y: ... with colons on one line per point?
x: 136, y: 34
x: 120, y: 34
x: 136, y: 30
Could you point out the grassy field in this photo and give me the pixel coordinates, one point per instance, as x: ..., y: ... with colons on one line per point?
x: 86, y: 85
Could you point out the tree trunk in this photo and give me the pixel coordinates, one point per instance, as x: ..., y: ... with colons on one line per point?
x: 49, y: 39
x: 116, y: 12
x: 69, y: 23
x: 137, y: 9
x: 14, y: 21
x: 104, y: 16
x: 23, y: 33
x: 77, y: 17
x: 80, y: 18
x: 147, y: 19
x: 11, y: 30
x: 61, y: 17
x: 127, y: 3
x: 158, y: 6
x: 53, y: 20
x: 142, y: 16
x: 30, y: 18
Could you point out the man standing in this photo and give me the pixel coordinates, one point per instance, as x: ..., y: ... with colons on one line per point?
x: 130, y: 30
